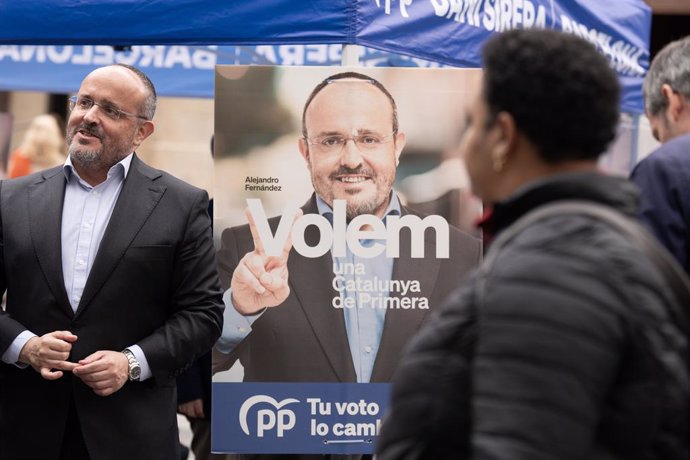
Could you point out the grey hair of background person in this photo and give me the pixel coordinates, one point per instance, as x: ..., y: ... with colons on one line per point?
x: 670, y: 66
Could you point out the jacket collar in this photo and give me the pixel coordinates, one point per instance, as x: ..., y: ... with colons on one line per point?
x: 616, y: 192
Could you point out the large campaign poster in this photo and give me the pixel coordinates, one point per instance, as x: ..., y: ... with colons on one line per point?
x: 337, y: 235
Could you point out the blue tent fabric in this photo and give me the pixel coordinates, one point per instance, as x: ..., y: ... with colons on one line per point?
x: 168, y: 22
x: 452, y: 32
x: 51, y: 34
x: 176, y: 70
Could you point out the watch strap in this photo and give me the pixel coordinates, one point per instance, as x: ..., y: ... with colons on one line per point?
x: 134, y: 371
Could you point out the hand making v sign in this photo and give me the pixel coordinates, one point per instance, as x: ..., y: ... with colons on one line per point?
x: 261, y: 281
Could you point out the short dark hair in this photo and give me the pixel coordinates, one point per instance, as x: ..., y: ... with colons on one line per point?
x: 671, y: 66
x: 561, y: 92
x: 341, y: 76
x: 149, y: 107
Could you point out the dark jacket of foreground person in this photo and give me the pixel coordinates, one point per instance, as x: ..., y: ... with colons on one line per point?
x: 566, y: 351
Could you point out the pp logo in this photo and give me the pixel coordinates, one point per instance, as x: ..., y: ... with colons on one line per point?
x: 267, y: 419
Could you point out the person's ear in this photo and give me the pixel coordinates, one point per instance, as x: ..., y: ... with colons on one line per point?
x: 303, y: 148
x: 400, y: 140
x: 675, y: 102
x: 145, y: 130
x: 505, y: 139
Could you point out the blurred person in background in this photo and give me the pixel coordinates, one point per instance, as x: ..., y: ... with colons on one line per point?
x: 43, y: 147
x: 564, y: 345
x: 664, y: 176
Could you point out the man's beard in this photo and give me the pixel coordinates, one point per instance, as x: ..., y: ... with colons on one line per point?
x: 88, y: 158
x: 84, y: 157
x: 356, y: 205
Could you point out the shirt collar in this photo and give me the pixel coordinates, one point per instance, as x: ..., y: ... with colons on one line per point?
x: 122, y: 165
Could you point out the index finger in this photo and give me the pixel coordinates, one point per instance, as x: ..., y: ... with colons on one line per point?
x: 258, y: 245
x: 55, y: 344
x: 65, y: 366
x: 288, y: 241
x: 65, y: 336
x: 90, y: 368
x: 287, y: 247
x: 95, y: 356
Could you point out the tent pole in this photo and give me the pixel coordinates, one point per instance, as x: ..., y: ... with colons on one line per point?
x: 350, y: 56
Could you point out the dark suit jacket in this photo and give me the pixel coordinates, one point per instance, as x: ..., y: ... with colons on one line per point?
x: 153, y: 283
x: 665, y: 196
x: 304, y: 339
x: 195, y: 381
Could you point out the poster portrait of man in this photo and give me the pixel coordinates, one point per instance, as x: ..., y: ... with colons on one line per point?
x: 327, y: 267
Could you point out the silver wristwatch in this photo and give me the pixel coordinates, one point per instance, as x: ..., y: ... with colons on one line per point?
x: 134, y: 367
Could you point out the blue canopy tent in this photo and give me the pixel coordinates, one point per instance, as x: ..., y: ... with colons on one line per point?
x: 50, y: 45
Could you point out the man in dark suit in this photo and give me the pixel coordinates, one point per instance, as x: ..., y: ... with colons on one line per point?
x: 111, y: 288
x: 284, y: 321
x: 663, y: 175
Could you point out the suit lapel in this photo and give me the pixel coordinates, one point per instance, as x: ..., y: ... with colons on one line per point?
x: 400, y: 324
x: 311, y: 281
x: 138, y: 198
x: 45, y: 226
